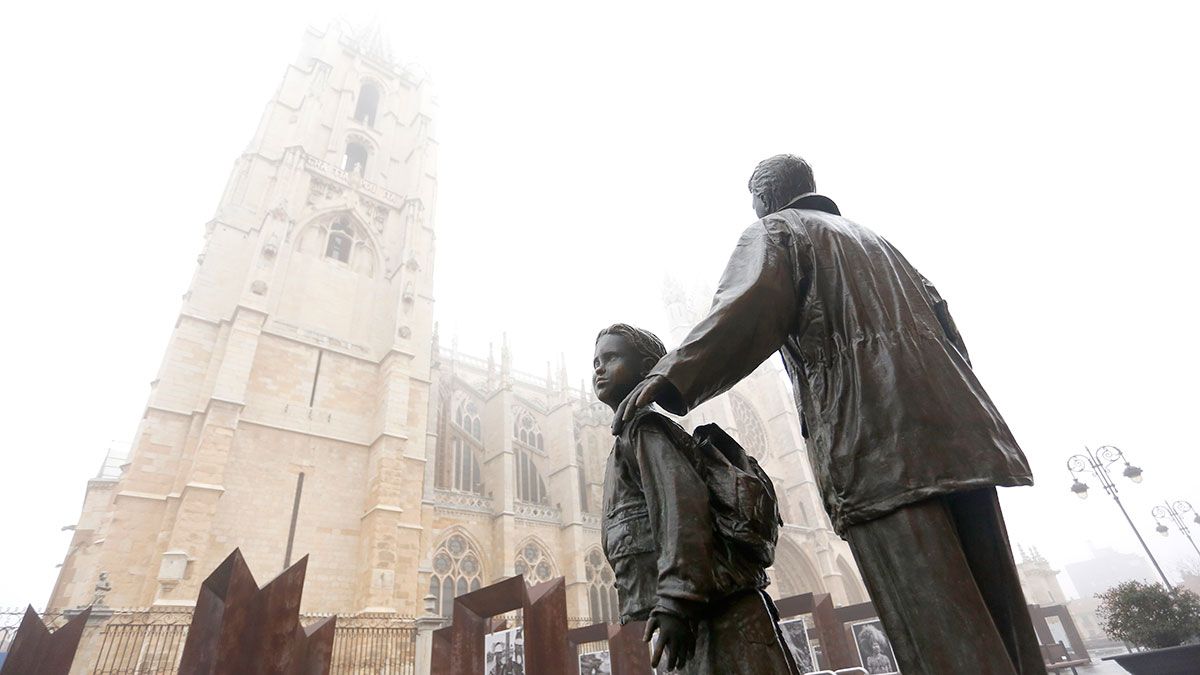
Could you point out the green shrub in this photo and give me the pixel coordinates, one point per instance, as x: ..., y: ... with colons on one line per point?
x: 1148, y: 615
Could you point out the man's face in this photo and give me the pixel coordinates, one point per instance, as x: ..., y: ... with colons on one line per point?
x: 617, y: 369
x: 760, y: 206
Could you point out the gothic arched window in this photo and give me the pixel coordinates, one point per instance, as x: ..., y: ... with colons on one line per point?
x: 368, y: 102
x: 528, y: 436
x: 458, y: 467
x: 456, y: 570
x: 528, y: 432
x: 602, y: 595
x: 530, y: 486
x: 581, y: 468
x: 466, y: 416
x: 342, y: 238
x: 534, y: 563
x: 751, y: 432
x: 794, y: 572
x: 341, y: 241
x: 356, y: 158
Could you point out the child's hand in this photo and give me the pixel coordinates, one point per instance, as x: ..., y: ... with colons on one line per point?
x: 675, y: 636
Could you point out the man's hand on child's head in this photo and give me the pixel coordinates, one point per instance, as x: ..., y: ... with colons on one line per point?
x: 676, y: 640
x: 645, y: 393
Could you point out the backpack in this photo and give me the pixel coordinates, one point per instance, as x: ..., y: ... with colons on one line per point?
x: 742, y: 497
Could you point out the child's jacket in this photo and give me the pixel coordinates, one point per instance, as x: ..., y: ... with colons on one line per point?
x: 657, y: 529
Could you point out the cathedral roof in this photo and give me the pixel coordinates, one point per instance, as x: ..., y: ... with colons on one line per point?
x: 371, y: 42
x: 367, y: 39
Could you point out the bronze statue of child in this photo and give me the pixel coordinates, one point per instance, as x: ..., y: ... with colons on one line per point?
x: 703, y: 595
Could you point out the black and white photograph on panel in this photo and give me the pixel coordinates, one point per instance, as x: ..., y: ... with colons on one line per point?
x: 795, y: 634
x: 595, y: 663
x: 874, y: 649
x: 504, y: 653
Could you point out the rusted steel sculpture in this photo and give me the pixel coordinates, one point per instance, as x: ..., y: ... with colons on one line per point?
x: 36, y: 650
x: 836, y: 652
x: 239, y: 628
x: 627, y: 652
x: 443, y: 645
x: 458, y: 649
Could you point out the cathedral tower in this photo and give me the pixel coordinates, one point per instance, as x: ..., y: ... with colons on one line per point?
x: 289, y: 414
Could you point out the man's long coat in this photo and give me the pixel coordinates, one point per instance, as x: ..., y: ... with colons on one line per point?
x: 892, y: 410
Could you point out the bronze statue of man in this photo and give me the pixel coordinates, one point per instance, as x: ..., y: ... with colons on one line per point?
x: 906, y: 445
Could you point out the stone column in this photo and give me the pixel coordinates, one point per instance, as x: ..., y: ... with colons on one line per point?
x: 391, y: 531
x: 203, y: 486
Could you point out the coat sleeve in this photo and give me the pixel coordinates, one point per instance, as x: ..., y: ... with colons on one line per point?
x: 750, y: 318
x: 680, y: 520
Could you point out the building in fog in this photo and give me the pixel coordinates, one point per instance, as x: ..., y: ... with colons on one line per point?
x: 1038, y: 579
x: 304, y: 405
x: 1105, y: 569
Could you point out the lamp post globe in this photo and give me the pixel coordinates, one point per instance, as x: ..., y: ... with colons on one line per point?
x: 1081, y: 490
x: 1162, y: 529
x: 1133, y: 473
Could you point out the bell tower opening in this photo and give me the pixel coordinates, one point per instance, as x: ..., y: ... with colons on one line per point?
x: 368, y: 102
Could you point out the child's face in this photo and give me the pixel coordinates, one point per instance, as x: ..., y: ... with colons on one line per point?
x: 618, y: 368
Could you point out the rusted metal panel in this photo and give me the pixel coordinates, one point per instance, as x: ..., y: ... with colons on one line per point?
x: 35, y: 650
x: 239, y: 628
x: 459, y: 648
x: 628, y: 653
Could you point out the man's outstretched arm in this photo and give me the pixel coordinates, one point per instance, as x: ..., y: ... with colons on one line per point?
x: 751, y: 315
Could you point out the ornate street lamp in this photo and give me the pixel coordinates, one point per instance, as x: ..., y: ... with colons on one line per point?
x: 1175, y: 511
x: 1097, y: 463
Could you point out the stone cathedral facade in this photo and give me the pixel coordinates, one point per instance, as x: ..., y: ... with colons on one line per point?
x: 305, y: 407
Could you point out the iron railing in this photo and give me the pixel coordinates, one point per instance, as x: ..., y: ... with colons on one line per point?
x: 150, y: 641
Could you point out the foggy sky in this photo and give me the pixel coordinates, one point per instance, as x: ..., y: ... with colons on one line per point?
x: 1036, y: 161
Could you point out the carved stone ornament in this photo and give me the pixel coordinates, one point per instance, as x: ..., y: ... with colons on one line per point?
x: 259, y: 287
x: 376, y: 213
x: 279, y: 212
x: 322, y: 190
x: 404, y: 332
x: 101, y: 590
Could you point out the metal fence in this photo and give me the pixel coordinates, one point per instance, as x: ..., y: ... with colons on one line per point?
x: 376, y: 644
x: 587, y: 647
x: 150, y: 642
x: 142, y: 643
